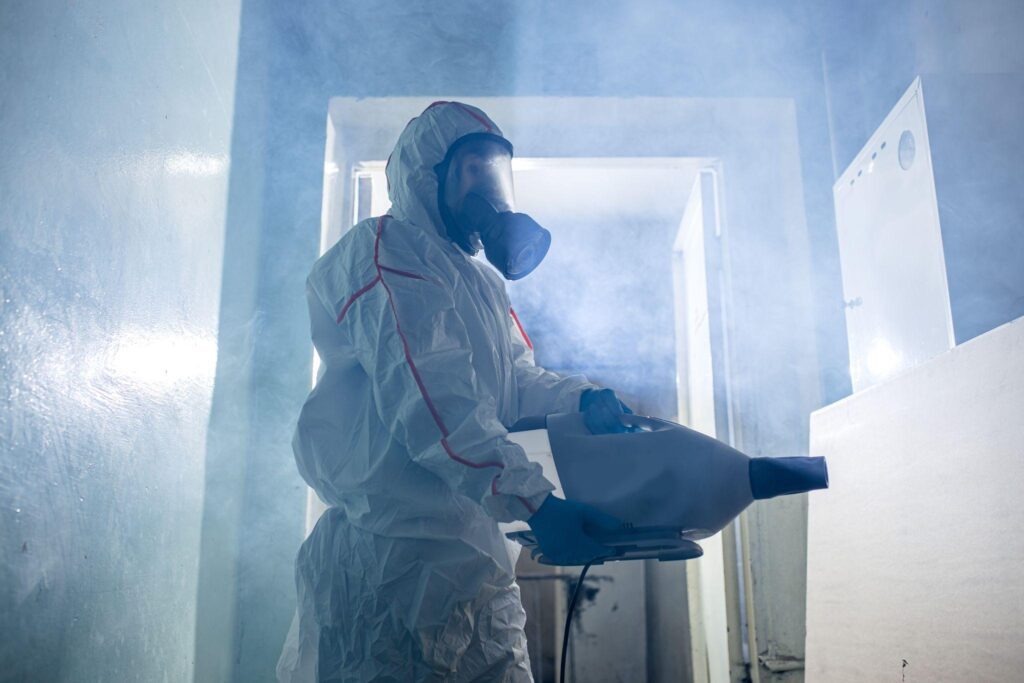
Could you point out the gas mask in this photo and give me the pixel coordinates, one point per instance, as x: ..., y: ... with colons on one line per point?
x: 477, y: 204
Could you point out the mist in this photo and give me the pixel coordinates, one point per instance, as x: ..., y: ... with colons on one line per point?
x: 161, y: 199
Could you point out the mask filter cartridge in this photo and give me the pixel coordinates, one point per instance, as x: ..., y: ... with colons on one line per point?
x: 514, y: 243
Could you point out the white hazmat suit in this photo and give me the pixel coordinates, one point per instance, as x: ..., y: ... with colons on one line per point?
x: 424, y: 366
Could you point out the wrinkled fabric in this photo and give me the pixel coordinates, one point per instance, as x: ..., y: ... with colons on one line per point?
x: 375, y: 608
x: 423, y: 368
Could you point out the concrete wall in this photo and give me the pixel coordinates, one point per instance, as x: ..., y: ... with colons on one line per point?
x: 115, y: 119
x: 915, y: 551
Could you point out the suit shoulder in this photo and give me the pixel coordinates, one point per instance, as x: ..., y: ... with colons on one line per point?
x: 346, y: 265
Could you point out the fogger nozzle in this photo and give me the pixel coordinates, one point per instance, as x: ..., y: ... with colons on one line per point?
x: 770, y: 477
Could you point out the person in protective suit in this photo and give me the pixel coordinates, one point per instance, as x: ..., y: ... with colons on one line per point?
x: 424, y: 366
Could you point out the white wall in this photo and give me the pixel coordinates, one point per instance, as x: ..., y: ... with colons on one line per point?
x: 915, y: 552
x: 115, y: 130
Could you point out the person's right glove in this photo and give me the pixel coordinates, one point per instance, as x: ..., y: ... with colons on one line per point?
x: 564, y: 530
x: 601, y: 409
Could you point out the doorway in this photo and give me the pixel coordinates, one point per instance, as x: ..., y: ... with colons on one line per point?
x: 609, y: 176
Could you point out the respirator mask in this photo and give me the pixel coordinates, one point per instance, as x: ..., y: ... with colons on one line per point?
x: 477, y: 204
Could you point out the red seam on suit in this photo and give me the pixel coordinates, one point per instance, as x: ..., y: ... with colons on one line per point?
x: 526, y: 337
x: 415, y: 372
x: 352, y: 299
x: 371, y: 285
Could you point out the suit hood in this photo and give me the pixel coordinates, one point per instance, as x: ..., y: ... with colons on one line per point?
x: 412, y: 181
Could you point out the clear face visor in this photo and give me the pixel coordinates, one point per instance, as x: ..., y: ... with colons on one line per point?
x: 479, y: 208
x: 482, y: 167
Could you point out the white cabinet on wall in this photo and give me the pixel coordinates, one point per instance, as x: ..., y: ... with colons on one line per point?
x: 890, y: 244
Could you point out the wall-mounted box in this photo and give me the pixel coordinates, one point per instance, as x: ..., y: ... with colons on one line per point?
x: 930, y: 219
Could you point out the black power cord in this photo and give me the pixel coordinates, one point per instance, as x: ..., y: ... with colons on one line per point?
x: 568, y: 620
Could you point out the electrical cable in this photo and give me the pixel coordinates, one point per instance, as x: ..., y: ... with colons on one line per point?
x: 568, y: 620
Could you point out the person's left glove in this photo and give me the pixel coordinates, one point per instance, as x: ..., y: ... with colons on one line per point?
x: 567, y: 531
x: 601, y: 410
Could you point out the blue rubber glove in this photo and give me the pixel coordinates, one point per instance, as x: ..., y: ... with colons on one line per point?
x: 601, y: 408
x: 564, y: 530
